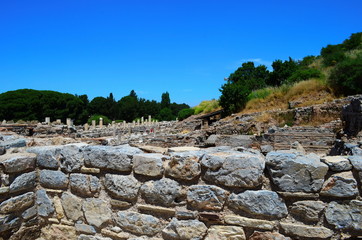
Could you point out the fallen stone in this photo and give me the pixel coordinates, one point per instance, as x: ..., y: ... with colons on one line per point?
x: 225, y: 233
x: 305, y: 231
x: 138, y: 223
x: 356, y: 162
x: 309, y: 211
x: 206, y: 197
x: 288, y: 171
x: 72, y: 206
x: 234, y: 169
x: 44, y: 204
x: 250, y: 222
x: 96, y: 212
x: 84, y: 228
x: 20, y: 162
x: 123, y: 187
x: 345, y: 216
x: 47, y: 156
x: 341, y: 185
x: 53, y: 179
x: 337, y: 163
x: 164, y: 192
x: 150, y: 164
x: 184, y: 229
x: 183, y: 168
x: 268, y: 236
x: 72, y: 158
x: 23, y: 182
x: 18, y: 203
x: 84, y: 185
x: 260, y: 203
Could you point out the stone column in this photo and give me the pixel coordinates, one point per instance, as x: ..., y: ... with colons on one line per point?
x: 86, y: 127
x: 59, y: 121
x: 69, y: 122
x: 93, y: 124
x: 101, y: 122
x: 138, y: 122
x: 47, y: 120
x: 142, y: 120
x: 149, y: 119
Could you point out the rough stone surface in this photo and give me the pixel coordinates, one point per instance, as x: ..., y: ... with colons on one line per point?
x: 288, y: 171
x: 89, y: 237
x: 59, y: 232
x: 184, y: 230
x: 206, y: 197
x: 47, y: 156
x: 107, y: 158
x: 71, y: 158
x: 84, y: 185
x: 123, y: 187
x: 23, y: 182
x: 225, y: 233
x: 72, y: 206
x: 150, y: 164
x: 18, y: 203
x: 7, y: 223
x: 268, y: 236
x: 234, y: 169
x: 96, y: 211
x: 138, y: 223
x: 261, y: 203
x: 250, y: 222
x: 341, y: 185
x: 13, y: 143
x: 345, y: 216
x: 356, y: 162
x: 308, y: 210
x: 29, y: 213
x: 53, y: 179
x: 163, y: 192
x: 84, y: 228
x: 183, y: 168
x: 305, y: 231
x: 337, y: 163
x: 45, y: 205
x: 15, y: 163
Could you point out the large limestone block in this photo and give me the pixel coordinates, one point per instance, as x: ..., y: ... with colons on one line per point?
x: 72, y: 158
x: 123, y: 187
x: 96, y: 212
x: 225, y: 233
x: 341, y: 185
x: 53, y: 179
x: 150, y: 164
x: 44, y: 204
x: 72, y: 206
x: 183, y: 167
x: 345, y: 216
x: 234, y: 169
x: 162, y: 192
x: 47, y: 156
x: 59, y: 232
x: 184, y: 230
x: 337, y: 163
x: 84, y: 185
x: 137, y: 223
x: 308, y: 211
x: 20, y: 162
x: 203, y: 197
x: 260, y: 203
x: 294, y: 172
x: 23, y: 182
x: 305, y: 231
x: 17, y: 203
x: 250, y: 222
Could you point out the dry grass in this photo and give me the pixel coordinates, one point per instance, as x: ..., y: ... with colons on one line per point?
x: 207, y: 106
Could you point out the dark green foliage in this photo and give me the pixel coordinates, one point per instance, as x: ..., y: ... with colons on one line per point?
x: 165, y: 100
x: 128, y: 108
x: 281, y: 72
x: 96, y: 117
x: 353, y: 42
x: 234, y: 97
x: 304, y: 73
x: 97, y: 106
x: 332, y: 54
x: 166, y: 115
x: 185, y: 113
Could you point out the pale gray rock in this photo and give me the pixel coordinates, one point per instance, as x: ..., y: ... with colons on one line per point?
x: 162, y: 192
x: 148, y: 164
x: 265, y: 149
x: 18, y: 203
x: 127, y: 149
x: 53, y: 179
x: 183, y: 167
x: 72, y: 206
x: 107, y: 157
x: 23, y: 182
x: 306, y: 231
x: 20, y: 162
x: 356, y: 162
x: 289, y: 171
x: 47, y: 156
x: 262, y: 203
x: 44, y: 204
x: 13, y: 143
x: 308, y: 211
x: 72, y: 158
x: 268, y: 236
x: 337, y: 163
x: 29, y: 213
x: 123, y: 187
x: 341, y: 185
x: 345, y: 216
x: 90, y: 237
x: 356, y: 151
x: 83, y: 184
x: 221, y: 232
x: 206, y: 197
x: 137, y: 223
x: 234, y: 169
x: 96, y: 212
x: 184, y: 230
x: 84, y: 228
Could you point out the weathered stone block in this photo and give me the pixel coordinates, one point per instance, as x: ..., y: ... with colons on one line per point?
x: 184, y: 229
x: 345, y: 216
x: 15, y: 163
x: 72, y: 158
x: 183, y: 168
x: 137, y: 223
x: 53, y: 179
x: 341, y: 185
x: 84, y: 228
x: 260, y: 203
x: 84, y: 185
x: 337, y: 163
x: 206, y: 197
x: 150, y: 164
x: 96, y: 212
x: 18, y: 203
x: 123, y: 187
x: 305, y: 231
x: 250, y: 222
x: 72, y: 206
x: 47, y: 156
x: 225, y: 233
x: 59, y: 232
x: 356, y: 162
x: 308, y: 211
x: 29, y: 213
x: 23, y: 182
x: 44, y: 204
x: 268, y: 236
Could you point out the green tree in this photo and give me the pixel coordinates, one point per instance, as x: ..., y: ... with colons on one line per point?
x: 185, y: 113
x: 281, y: 72
x: 165, y: 100
x: 166, y: 115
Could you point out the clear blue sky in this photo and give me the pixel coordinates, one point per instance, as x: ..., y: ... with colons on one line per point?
x: 185, y: 47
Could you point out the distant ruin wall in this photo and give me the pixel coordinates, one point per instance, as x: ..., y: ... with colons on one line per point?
x: 89, y: 192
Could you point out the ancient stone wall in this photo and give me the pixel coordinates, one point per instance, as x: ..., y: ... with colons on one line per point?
x: 86, y: 192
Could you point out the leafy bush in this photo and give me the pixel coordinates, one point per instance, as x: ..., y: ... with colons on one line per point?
x: 332, y: 54
x: 304, y: 74
x: 185, y: 113
x: 96, y: 117
x: 260, y: 93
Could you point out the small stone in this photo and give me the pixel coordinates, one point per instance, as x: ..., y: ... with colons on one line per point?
x: 23, y: 182
x: 268, y: 236
x: 115, y: 236
x: 302, y: 195
x: 250, y: 222
x: 45, y: 205
x: 4, y: 190
x: 206, y: 197
x: 90, y: 170
x: 123, y: 187
x: 186, y: 215
x: 162, y: 192
x: 260, y: 203
x: 356, y: 162
x: 18, y: 203
x: 15, y: 163
x: 96, y: 212
x: 184, y: 229
x: 84, y: 228
x: 58, y: 207
x: 72, y: 206
x: 150, y: 164
x: 120, y: 204
x: 183, y: 149
x: 66, y: 222
x: 308, y: 210
x: 59, y: 232
x: 116, y: 229
x: 29, y: 213
x: 138, y: 223
x: 341, y: 185
x: 225, y: 233
x: 162, y: 210
x: 183, y: 168
x: 305, y: 231
x: 89, y: 237
x: 53, y: 220
x: 53, y: 179
x: 9, y: 223
x: 337, y: 163
x: 84, y: 185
